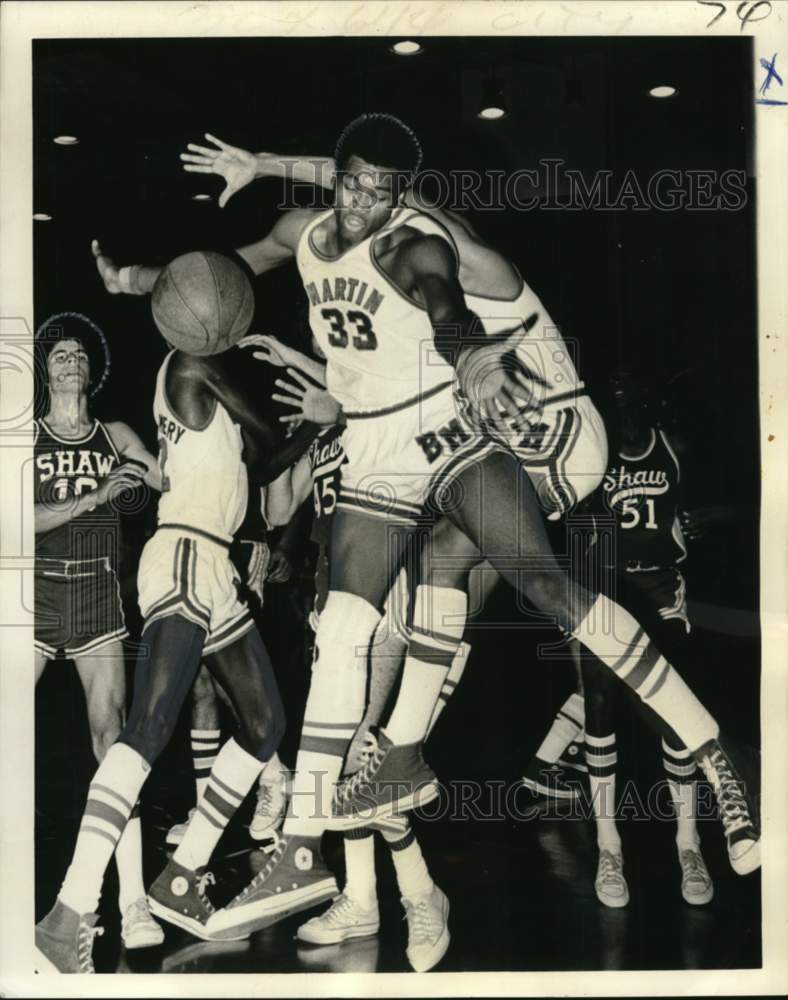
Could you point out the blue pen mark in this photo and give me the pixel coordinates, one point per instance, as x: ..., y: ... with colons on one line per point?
x: 771, y: 74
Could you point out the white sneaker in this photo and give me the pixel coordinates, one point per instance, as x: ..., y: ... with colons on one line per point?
x: 343, y: 920
x: 139, y: 929
x: 696, y: 884
x: 176, y: 833
x: 428, y: 931
x: 610, y: 885
x: 269, y: 812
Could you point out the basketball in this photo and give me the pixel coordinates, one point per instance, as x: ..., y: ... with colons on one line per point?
x: 202, y: 303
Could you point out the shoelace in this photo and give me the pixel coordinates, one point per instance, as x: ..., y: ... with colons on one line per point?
x: 85, y: 939
x: 693, y: 867
x: 611, y: 869
x: 274, y: 850
x: 733, y: 806
x: 206, y: 879
x: 372, y: 755
x: 339, y: 908
x: 265, y: 800
x: 424, y: 924
x: 140, y: 907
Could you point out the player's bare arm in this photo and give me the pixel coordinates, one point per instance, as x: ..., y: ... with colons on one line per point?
x: 275, y: 249
x: 130, y: 446
x: 285, y: 495
x: 53, y: 513
x: 427, y: 268
x: 201, y: 382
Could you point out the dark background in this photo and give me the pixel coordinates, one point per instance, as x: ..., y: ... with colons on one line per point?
x: 668, y: 295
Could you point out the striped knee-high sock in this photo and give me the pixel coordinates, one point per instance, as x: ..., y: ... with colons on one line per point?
x: 413, y: 877
x: 128, y: 858
x: 566, y: 726
x: 333, y: 710
x: 439, y: 616
x: 111, y: 797
x: 231, y: 777
x: 680, y: 770
x: 205, y: 747
x: 602, y: 758
x: 449, y: 686
x: 615, y: 638
x: 361, y: 880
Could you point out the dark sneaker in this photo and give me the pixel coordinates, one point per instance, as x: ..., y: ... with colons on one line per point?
x: 393, y: 780
x: 178, y: 896
x: 64, y: 940
x: 736, y: 783
x: 550, y: 780
x: 573, y: 758
x: 295, y: 878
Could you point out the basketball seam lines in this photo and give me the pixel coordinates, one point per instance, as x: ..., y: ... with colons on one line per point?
x: 219, y: 326
x: 190, y: 310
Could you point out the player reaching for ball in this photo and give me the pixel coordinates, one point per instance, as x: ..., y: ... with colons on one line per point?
x: 424, y: 395
x: 191, y: 608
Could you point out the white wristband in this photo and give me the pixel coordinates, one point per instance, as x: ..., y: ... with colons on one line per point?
x: 124, y: 280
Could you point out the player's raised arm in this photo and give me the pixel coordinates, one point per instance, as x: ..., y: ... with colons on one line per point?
x: 274, y: 455
x: 272, y: 251
x: 240, y: 167
x: 430, y: 268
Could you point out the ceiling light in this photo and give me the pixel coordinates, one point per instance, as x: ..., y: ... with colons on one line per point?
x: 42, y: 217
x: 493, y: 105
x: 201, y: 197
x: 666, y: 91
x: 66, y: 140
x: 407, y: 48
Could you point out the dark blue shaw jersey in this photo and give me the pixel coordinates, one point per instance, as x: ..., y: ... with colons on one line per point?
x: 326, y: 458
x: 66, y: 468
x: 642, y: 495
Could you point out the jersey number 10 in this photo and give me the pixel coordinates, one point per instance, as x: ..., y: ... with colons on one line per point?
x: 363, y: 339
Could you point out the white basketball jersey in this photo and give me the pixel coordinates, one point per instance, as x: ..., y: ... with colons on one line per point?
x: 542, y: 351
x: 379, y: 343
x: 204, y: 478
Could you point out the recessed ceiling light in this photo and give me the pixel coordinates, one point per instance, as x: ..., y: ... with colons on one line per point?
x: 666, y: 91
x: 66, y: 140
x: 201, y: 197
x: 492, y: 113
x: 42, y: 217
x: 407, y: 48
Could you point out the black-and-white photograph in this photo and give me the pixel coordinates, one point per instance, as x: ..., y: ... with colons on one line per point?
x: 396, y: 488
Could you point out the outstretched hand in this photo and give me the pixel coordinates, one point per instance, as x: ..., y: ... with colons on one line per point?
x: 310, y: 402
x: 495, y: 385
x: 237, y: 166
x: 108, y: 270
x: 271, y: 350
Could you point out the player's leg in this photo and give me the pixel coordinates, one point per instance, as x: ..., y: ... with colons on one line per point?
x: 600, y: 690
x: 168, y: 660
x: 204, y: 740
x: 562, y: 746
x: 335, y: 706
x: 499, y: 513
x: 103, y: 677
x: 663, y: 592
